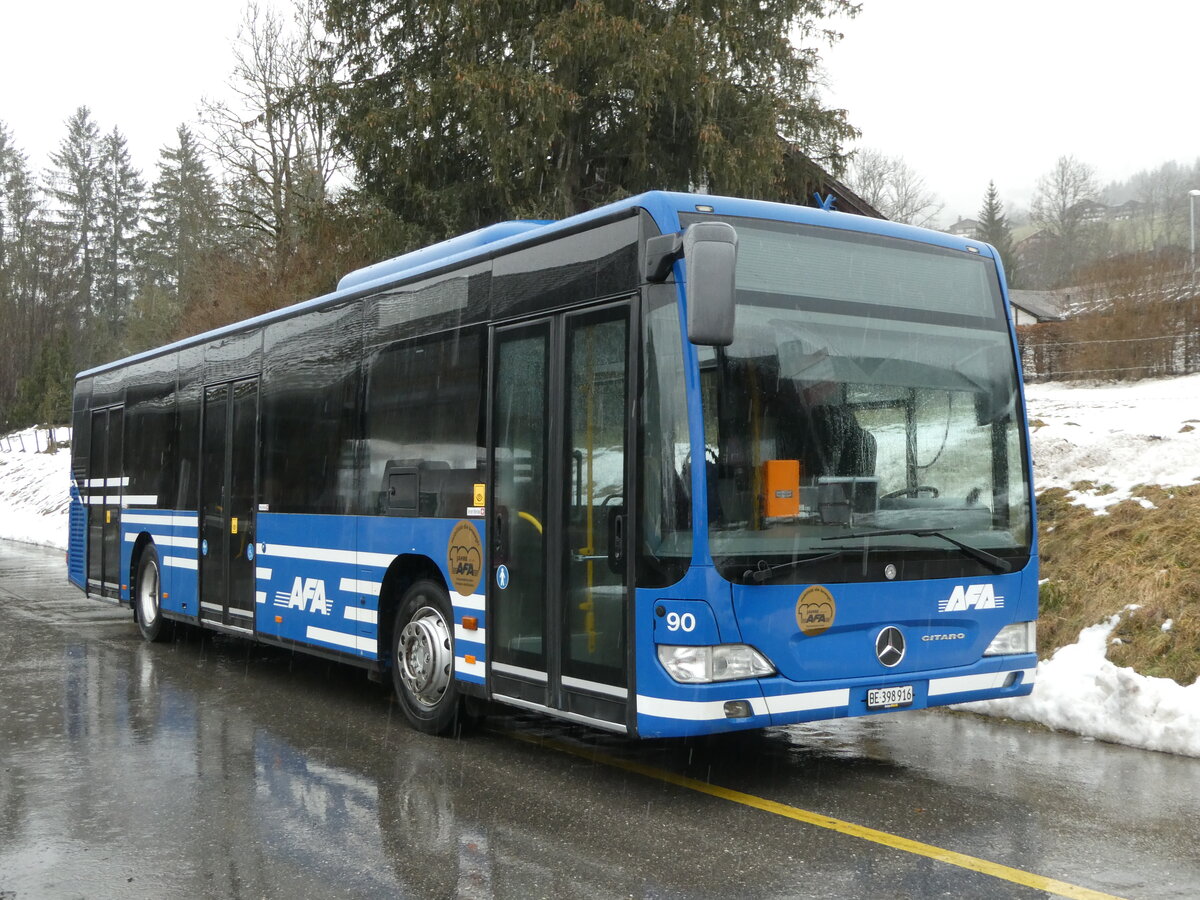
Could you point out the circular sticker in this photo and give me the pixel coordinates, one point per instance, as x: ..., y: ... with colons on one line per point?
x: 815, y: 610
x: 502, y: 577
x: 464, y: 558
x: 204, y: 547
x: 250, y: 552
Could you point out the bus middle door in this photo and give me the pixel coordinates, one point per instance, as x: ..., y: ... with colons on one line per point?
x: 227, y: 496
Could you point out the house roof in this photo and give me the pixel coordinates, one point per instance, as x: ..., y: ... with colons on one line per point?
x: 1042, y: 305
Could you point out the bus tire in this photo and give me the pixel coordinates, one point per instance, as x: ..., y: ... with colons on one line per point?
x: 423, y: 658
x: 147, y: 593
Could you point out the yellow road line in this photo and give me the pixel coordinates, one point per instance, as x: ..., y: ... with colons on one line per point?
x: 950, y: 857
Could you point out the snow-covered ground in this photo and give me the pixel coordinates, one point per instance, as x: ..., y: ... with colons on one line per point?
x: 1114, y: 436
x: 33, y: 490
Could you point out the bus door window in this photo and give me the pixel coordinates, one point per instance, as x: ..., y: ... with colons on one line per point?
x: 518, y: 617
x: 594, y: 639
x: 104, y: 499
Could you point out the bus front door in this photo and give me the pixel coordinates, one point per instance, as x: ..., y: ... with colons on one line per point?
x: 558, y: 595
x: 227, y: 495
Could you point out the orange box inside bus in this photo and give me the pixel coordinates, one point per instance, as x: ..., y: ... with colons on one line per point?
x: 781, y: 488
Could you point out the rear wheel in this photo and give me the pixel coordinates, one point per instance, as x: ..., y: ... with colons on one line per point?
x: 146, y: 595
x: 423, y: 658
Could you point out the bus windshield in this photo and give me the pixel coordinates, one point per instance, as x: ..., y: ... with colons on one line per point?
x: 868, y: 403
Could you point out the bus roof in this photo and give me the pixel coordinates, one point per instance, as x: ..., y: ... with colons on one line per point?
x: 494, y: 240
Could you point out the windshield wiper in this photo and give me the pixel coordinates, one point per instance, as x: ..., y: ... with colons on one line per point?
x: 988, y: 559
x: 762, y: 572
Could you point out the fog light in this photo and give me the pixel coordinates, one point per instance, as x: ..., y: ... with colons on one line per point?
x: 724, y: 662
x: 738, y: 709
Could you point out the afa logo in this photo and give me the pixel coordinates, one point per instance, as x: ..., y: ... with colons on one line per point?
x: 971, y: 596
x: 306, y: 593
x: 815, y: 610
x: 464, y: 558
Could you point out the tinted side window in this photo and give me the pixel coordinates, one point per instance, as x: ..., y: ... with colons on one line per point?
x: 81, y: 429
x: 310, y: 413
x: 150, y: 430
x: 189, y: 396
x: 423, y: 432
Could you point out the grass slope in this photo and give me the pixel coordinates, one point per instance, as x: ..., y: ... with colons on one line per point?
x: 1141, y: 554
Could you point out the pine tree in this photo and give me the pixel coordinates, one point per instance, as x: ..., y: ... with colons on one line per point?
x: 458, y: 113
x: 74, y: 192
x: 182, y: 220
x: 995, y: 230
x: 120, y: 197
x: 29, y: 274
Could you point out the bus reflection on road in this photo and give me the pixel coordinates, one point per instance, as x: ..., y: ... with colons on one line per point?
x: 314, y: 824
x: 210, y: 767
x: 325, y: 821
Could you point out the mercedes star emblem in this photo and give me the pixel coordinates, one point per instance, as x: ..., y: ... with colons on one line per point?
x: 889, y: 646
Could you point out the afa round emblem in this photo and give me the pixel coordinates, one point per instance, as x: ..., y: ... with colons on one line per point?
x: 464, y: 558
x: 815, y: 610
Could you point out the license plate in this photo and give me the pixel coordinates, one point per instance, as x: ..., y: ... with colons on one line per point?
x: 879, y: 698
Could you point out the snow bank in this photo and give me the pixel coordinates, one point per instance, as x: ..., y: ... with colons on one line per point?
x: 1079, y: 690
x: 34, y: 491
x: 1117, y: 436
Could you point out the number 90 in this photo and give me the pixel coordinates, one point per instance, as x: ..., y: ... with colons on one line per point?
x: 677, y: 622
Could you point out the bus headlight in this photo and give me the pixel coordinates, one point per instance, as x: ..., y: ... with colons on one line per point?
x: 1019, y: 637
x: 724, y: 662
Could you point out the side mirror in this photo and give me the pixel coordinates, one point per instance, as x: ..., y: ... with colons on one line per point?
x: 710, y: 260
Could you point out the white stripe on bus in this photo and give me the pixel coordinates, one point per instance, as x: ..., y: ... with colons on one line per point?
x: 475, y: 668
x: 473, y: 601
x: 608, y: 689
x: 181, y: 562
x: 151, y: 517
x: 166, y: 540
x: 693, y: 710
x: 263, y: 574
x: 358, y: 614
x: 244, y: 613
x: 139, y: 500
x: 326, y: 554
x: 260, y: 596
x: 809, y: 700
x: 353, y: 641
x: 355, y: 586
x: 106, y: 482
x: 985, y: 682
x: 478, y: 636
x: 532, y: 674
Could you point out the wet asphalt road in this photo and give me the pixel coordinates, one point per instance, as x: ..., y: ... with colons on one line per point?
x: 211, y: 767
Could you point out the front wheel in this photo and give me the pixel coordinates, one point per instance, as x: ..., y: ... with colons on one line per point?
x: 423, y: 658
x: 147, y: 589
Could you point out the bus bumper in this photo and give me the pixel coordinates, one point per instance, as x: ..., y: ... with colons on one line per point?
x: 746, y: 705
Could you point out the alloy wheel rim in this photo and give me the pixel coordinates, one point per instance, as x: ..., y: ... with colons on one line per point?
x: 425, y: 657
x: 148, y: 594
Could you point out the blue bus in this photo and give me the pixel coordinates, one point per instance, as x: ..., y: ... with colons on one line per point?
x: 678, y: 465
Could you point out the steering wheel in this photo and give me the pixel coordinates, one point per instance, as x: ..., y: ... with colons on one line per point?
x: 912, y: 492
